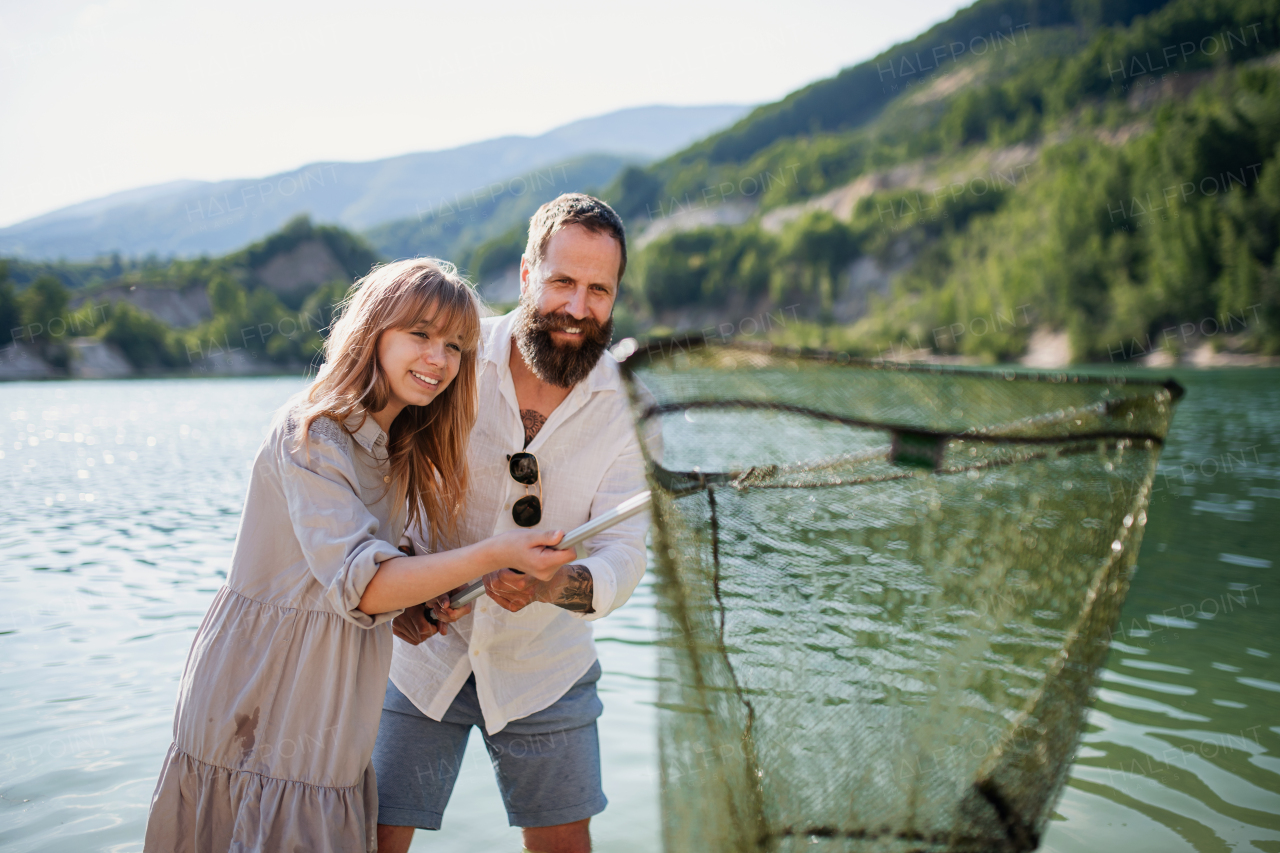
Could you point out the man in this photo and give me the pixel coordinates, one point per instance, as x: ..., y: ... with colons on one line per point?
x: 554, y: 446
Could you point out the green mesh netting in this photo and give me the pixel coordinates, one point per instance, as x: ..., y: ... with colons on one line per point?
x: 884, y: 592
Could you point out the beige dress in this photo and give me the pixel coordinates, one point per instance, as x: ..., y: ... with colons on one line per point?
x: 278, y: 706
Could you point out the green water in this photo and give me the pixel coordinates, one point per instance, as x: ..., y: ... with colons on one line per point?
x: 1183, y: 746
x: 121, y: 505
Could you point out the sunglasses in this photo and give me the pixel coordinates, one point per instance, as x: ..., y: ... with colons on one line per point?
x: 524, y: 470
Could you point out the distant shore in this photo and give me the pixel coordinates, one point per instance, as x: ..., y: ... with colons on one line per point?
x: 93, y: 359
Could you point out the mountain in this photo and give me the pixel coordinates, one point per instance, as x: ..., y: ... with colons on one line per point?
x: 453, y: 225
x: 190, y: 218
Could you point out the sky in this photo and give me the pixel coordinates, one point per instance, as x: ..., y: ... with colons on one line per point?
x: 98, y: 97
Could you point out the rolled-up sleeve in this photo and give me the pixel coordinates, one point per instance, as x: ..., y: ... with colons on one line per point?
x: 617, y: 556
x: 337, y: 532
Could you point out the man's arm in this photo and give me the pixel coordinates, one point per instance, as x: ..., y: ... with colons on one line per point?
x: 571, y: 589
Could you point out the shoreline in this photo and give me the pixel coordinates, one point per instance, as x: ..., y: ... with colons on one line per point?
x: 93, y: 359
x: 1084, y: 367
x: 89, y: 359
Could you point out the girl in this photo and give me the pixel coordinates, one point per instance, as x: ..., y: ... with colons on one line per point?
x: 279, y: 703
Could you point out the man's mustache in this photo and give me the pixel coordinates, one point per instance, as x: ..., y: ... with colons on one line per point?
x: 558, y: 321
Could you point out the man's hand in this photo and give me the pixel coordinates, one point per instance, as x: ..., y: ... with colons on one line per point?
x: 571, y: 588
x: 412, y: 625
x: 512, y: 590
x: 415, y: 625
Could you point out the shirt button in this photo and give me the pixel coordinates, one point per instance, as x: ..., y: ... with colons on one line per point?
x: 476, y: 653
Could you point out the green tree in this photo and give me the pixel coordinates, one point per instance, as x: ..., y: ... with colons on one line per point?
x: 44, y: 308
x: 145, y: 341
x: 493, y: 258
x: 814, y: 250
x: 10, y: 313
x: 637, y: 193
x: 320, y: 308
x: 673, y: 268
x: 226, y: 297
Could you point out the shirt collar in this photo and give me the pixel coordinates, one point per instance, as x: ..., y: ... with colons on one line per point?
x: 365, y: 430
x: 496, y: 349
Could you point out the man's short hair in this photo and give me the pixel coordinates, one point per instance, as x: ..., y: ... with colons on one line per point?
x: 573, y: 209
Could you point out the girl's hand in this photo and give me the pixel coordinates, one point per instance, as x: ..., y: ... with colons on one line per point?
x: 444, y: 613
x: 530, y: 551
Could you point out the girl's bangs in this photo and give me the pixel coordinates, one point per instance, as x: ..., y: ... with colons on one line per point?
x: 444, y: 303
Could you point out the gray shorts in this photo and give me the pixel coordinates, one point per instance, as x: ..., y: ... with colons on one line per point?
x: 547, y: 764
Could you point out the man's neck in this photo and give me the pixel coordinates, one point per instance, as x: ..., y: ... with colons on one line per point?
x: 532, y: 394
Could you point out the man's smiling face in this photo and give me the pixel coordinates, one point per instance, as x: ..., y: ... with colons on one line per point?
x: 578, y: 278
x: 564, y: 321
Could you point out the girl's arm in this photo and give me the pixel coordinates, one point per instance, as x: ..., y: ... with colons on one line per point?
x: 405, y: 581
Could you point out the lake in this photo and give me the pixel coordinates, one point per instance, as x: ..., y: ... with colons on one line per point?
x: 121, y: 505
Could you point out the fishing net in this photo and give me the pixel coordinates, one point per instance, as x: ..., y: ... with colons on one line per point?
x: 885, y: 592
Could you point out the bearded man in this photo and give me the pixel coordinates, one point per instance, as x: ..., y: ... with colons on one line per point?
x: 554, y: 446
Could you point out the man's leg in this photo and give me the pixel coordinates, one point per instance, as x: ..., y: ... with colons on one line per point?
x: 394, y: 839
x: 566, y: 838
x: 548, y: 768
x: 416, y: 760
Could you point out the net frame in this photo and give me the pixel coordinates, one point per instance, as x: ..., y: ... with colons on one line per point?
x: 1012, y: 794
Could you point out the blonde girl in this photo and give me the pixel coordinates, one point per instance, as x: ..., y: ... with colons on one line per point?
x: 279, y: 703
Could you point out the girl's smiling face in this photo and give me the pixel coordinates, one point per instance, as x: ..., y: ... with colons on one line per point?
x: 419, y: 363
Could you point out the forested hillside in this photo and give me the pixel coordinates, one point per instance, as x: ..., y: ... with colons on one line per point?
x: 267, y: 304
x: 1109, y: 176
x: 989, y: 29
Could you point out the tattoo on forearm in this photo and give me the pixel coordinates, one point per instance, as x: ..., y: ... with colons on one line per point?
x: 533, y: 421
x: 578, y: 591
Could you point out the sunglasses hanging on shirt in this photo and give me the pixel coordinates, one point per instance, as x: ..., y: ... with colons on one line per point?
x: 523, y: 466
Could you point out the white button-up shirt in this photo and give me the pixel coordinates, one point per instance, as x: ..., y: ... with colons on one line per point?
x: 589, y: 461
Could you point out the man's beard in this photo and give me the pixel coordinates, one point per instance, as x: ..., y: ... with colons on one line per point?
x: 562, y: 366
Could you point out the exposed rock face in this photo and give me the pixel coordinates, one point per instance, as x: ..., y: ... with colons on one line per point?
x: 304, y: 267
x: 944, y: 85
x: 23, y: 361
x: 240, y: 362
x: 840, y: 201
x: 866, y: 276
x: 1206, y: 356
x: 179, y: 308
x: 1047, y: 349
x: 1003, y: 167
x: 91, y: 359
x: 726, y: 213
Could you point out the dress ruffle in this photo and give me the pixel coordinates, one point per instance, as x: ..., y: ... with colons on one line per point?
x: 202, y: 808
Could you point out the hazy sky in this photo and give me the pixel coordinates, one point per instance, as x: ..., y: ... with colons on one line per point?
x: 104, y: 96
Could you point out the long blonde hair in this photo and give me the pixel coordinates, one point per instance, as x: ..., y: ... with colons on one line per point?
x: 427, y: 444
